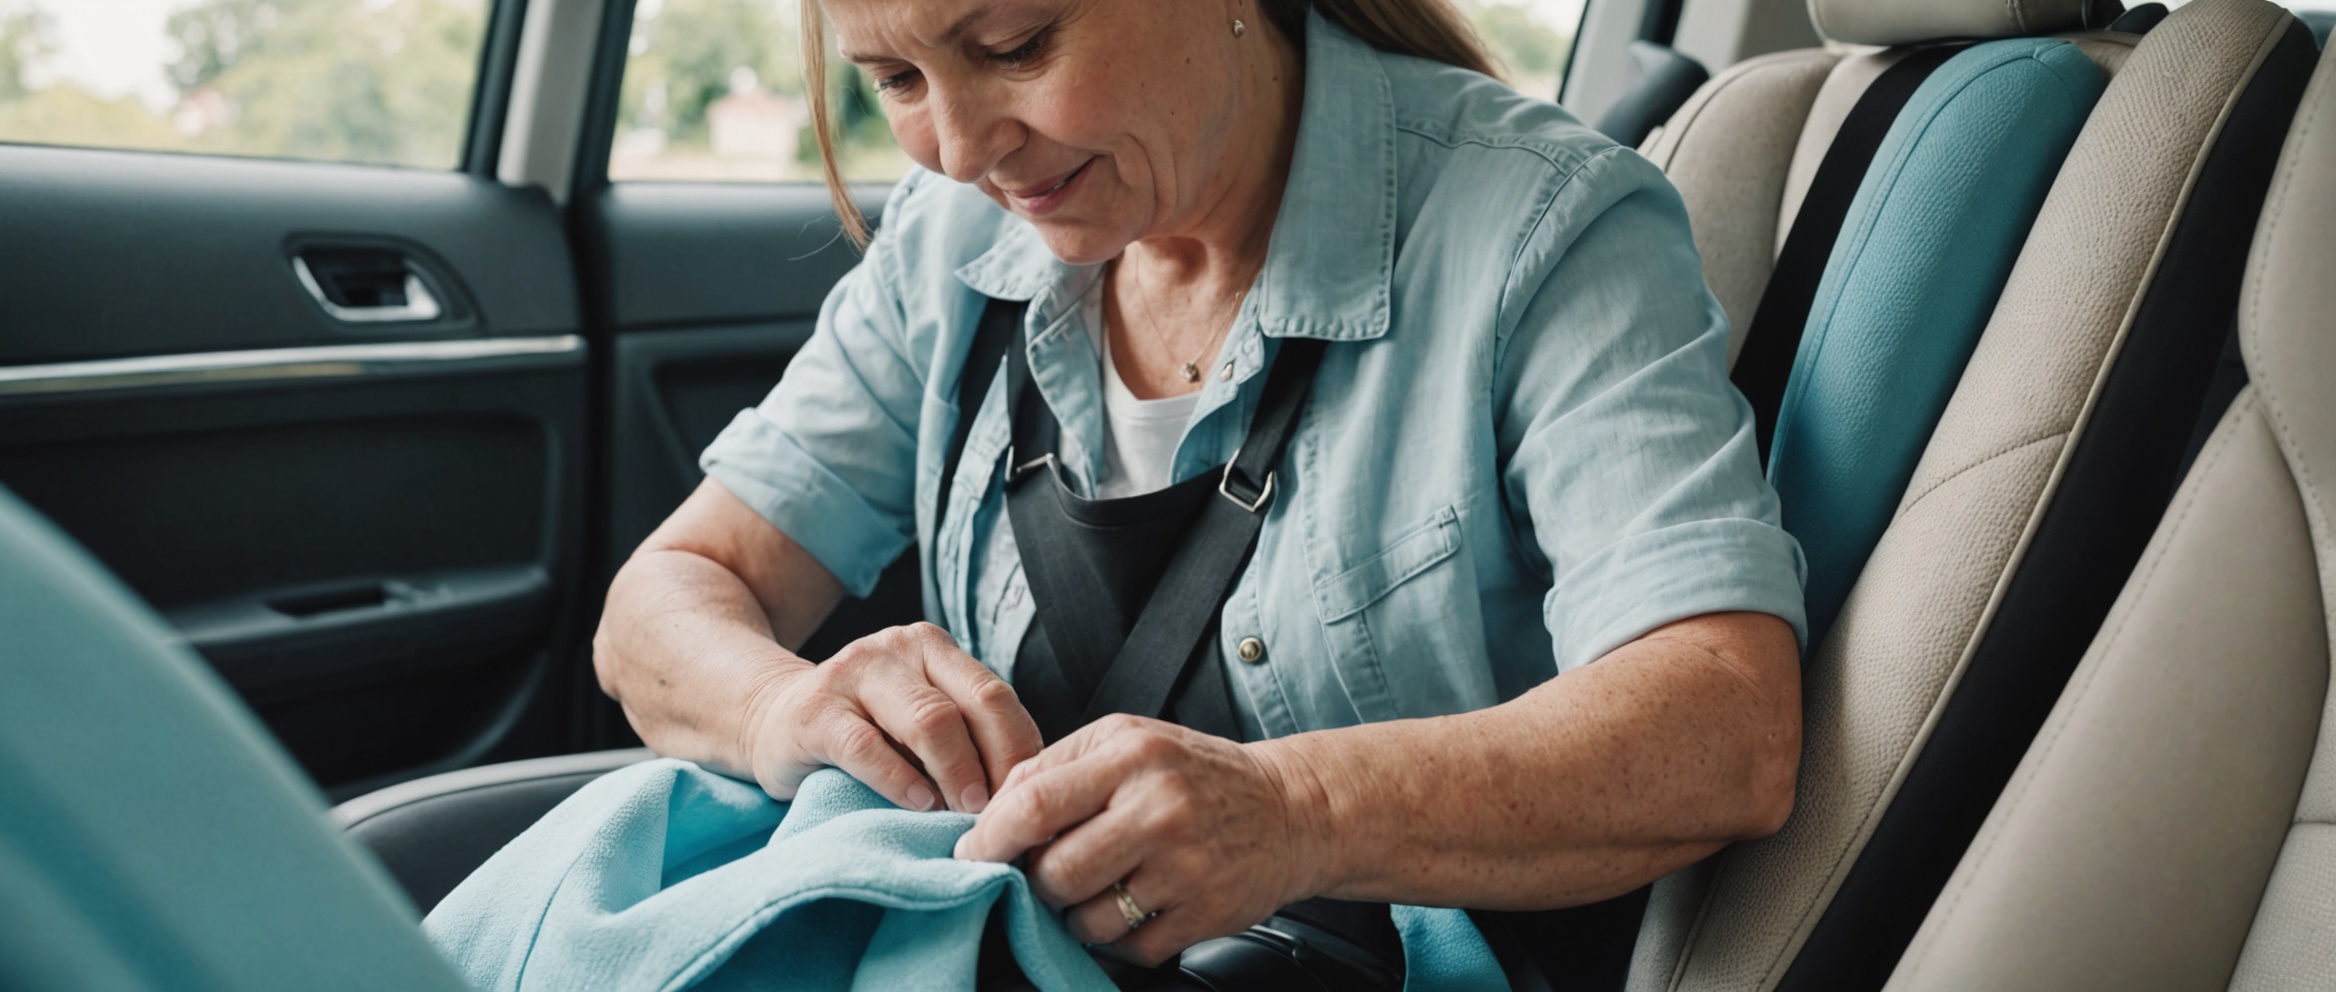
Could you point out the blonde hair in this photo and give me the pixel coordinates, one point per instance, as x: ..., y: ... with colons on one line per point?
x: 1428, y: 29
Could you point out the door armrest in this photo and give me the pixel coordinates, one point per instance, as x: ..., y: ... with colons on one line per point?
x: 431, y: 833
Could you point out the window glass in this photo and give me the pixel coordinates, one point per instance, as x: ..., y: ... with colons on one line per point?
x: 713, y: 89
x: 1532, y: 39
x: 380, y: 82
x: 2319, y: 15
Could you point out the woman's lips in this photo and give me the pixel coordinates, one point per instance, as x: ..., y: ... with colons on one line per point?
x: 1043, y: 198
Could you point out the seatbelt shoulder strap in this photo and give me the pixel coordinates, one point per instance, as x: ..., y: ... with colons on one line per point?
x: 1001, y: 324
x: 1162, y: 645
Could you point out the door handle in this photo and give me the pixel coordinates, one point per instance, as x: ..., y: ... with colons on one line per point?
x: 366, y: 285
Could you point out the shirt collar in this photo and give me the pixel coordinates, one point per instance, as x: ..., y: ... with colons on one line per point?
x: 1330, y: 265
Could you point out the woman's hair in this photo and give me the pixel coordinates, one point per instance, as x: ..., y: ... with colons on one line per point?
x: 1429, y: 29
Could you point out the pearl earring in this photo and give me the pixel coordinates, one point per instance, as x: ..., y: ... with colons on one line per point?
x: 1239, y: 28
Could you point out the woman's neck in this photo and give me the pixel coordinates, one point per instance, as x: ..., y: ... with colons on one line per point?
x: 1172, y: 297
x: 1223, y: 244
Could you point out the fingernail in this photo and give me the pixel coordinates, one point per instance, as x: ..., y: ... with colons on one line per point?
x: 975, y: 798
x: 921, y: 798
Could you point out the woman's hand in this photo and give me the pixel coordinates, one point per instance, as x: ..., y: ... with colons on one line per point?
x: 1205, y: 833
x: 902, y: 710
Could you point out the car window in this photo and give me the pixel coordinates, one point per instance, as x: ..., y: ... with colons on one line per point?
x: 379, y: 82
x: 713, y: 90
x: 2319, y: 15
x: 1533, y: 39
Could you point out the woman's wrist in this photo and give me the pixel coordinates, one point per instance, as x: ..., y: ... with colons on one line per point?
x: 765, y: 701
x: 1322, y: 852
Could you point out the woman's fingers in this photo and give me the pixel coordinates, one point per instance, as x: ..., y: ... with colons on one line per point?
x: 855, y: 745
x: 1098, y: 919
x: 932, y: 726
x: 1041, y: 804
x: 1002, y: 730
x: 1173, y: 921
x: 1084, y: 860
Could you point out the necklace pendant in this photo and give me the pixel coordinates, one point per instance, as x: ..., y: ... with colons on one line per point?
x: 1191, y: 372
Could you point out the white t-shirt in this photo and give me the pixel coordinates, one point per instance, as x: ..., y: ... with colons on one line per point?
x: 1139, y: 435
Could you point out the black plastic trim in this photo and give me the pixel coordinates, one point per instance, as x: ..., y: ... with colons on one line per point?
x: 598, y: 132
x: 431, y: 833
x: 2118, y: 483
x: 490, y: 102
x: 1658, y: 21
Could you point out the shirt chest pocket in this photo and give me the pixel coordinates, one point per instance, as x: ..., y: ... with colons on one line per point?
x: 1403, y: 625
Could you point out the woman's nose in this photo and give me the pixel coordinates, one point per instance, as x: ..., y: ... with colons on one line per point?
x: 972, y: 135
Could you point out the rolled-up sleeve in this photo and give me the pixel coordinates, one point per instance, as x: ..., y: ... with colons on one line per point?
x: 829, y: 457
x: 1630, y: 458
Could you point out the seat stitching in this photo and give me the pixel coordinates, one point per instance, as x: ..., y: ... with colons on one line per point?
x: 1982, y: 462
x: 2217, y: 446
x: 1844, y: 853
x: 2272, y: 406
x: 2291, y: 450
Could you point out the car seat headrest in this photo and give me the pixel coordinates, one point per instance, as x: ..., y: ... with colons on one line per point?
x: 1906, y: 22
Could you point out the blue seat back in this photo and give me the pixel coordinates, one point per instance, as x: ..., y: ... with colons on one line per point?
x: 1913, y: 277
x: 152, y: 835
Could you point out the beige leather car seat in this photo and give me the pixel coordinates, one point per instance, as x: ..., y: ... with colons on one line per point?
x: 2038, y: 489
x: 2174, y: 826
x: 1745, y: 147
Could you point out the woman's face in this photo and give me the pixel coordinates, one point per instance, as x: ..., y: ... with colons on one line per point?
x: 1100, y: 121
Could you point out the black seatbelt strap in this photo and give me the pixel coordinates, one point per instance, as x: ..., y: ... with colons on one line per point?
x: 1182, y: 608
x: 1185, y: 604
x: 1773, y: 340
x: 1001, y: 322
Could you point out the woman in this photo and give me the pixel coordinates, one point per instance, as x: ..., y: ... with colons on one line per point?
x: 1519, y: 454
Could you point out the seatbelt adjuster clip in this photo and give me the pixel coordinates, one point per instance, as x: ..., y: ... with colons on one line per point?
x: 1225, y: 488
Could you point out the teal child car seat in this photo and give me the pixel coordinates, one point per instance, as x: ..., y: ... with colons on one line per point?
x: 152, y: 836
x: 1923, y: 254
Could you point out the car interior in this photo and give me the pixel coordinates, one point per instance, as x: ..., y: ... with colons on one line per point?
x: 316, y: 460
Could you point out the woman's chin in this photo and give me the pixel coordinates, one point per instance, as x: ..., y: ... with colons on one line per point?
x: 1079, y: 244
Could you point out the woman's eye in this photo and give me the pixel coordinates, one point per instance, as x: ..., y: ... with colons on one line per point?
x: 1024, y: 52
x: 895, y: 81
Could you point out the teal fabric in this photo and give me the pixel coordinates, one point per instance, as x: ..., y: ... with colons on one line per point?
x: 1520, y: 451
x: 1928, y: 244
x: 152, y: 836
x: 666, y: 876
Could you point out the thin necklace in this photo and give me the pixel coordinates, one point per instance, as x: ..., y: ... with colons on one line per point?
x: 1191, y: 367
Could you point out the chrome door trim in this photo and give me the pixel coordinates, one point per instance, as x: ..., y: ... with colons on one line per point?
x: 316, y: 362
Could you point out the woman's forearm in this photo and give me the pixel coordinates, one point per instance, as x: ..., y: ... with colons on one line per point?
x: 1589, y: 786
x: 684, y: 647
x: 700, y: 623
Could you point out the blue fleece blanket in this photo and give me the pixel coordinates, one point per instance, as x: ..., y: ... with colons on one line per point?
x: 666, y: 876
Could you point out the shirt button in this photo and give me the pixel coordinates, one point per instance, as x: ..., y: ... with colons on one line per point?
x: 1225, y: 374
x: 1250, y: 650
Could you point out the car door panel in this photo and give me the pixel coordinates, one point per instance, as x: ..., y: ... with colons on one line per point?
x: 372, y: 529
x: 711, y: 289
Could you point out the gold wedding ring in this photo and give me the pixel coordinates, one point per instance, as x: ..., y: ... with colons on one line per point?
x: 1135, y: 915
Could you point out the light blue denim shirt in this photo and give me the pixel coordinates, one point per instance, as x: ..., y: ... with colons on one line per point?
x: 1521, y: 450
